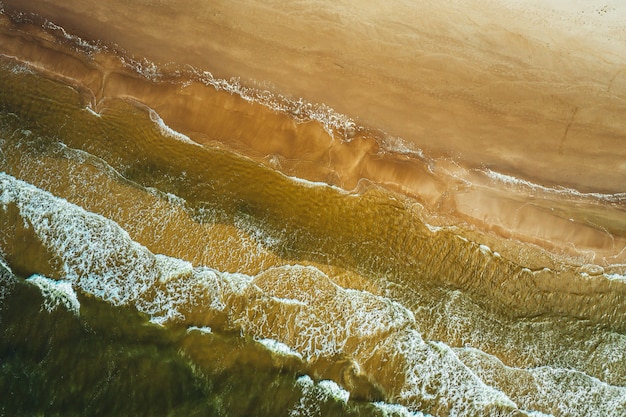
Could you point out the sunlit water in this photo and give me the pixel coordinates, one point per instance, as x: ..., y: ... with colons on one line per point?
x: 144, y: 274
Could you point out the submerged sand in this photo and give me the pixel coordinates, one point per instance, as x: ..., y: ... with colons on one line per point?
x: 506, y: 117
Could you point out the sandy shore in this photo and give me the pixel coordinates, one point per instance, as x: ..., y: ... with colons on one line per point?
x: 531, y: 93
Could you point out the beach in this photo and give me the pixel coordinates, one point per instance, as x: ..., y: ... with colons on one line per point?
x: 417, y: 203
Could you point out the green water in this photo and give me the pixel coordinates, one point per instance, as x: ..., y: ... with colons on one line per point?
x: 111, y: 362
x: 356, y: 288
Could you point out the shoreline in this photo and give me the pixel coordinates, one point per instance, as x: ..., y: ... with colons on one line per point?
x: 576, y: 230
x: 536, y: 102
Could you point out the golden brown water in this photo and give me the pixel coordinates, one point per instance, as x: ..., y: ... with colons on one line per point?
x: 405, y: 277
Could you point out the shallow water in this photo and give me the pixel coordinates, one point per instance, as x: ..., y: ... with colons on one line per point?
x: 177, y: 276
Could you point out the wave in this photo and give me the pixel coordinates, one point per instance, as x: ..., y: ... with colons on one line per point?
x: 527, y: 186
x: 298, y: 307
x: 279, y: 348
x: 101, y: 259
x: 56, y: 293
x: 579, y: 393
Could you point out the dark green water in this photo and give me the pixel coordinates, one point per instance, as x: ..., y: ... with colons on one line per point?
x: 111, y: 361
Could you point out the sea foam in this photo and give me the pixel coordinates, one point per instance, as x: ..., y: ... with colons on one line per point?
x: 563, y: 191
x: 168, y: 131
x: 397, y: 410
x: 314, y: 394
x: 56, y: 294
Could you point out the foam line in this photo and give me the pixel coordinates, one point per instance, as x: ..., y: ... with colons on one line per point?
x: 56, y: 294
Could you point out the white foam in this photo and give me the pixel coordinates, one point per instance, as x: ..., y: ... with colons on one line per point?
x: 334, y: 390
x: 172, y: 267
x: 203, y: 329
x: 56, y: 294
x: 256, y: 233
x: 96, y: 254
x: 172, y: 199
x: 397, y: 410
x: 101, y: 259
x: 201, y: 289
x: 313, y: 395
x: 279, y: 348
x: 87, y: 47
x: 301, y: 110
x: 168, y: 131
x: 434, y: 229
x: 435, y: 374
x: 616, y: 277
x: 146, y: 68
x: 310, y: 400
x: 485, y: 249
x: 569, y: 391
x: 17, y: 68
x: 518, y: 182
x: 315, y: 184
x: 398, y: 145
x: 3, y: 263
x: 288, y: 301
x: 308, y: 329
x: 92, y: 111
x: 7, y: 280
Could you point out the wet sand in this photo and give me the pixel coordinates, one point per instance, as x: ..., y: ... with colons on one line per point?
x: 478, y: 90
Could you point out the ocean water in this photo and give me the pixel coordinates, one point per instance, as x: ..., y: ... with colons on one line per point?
x: 145, y: 273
